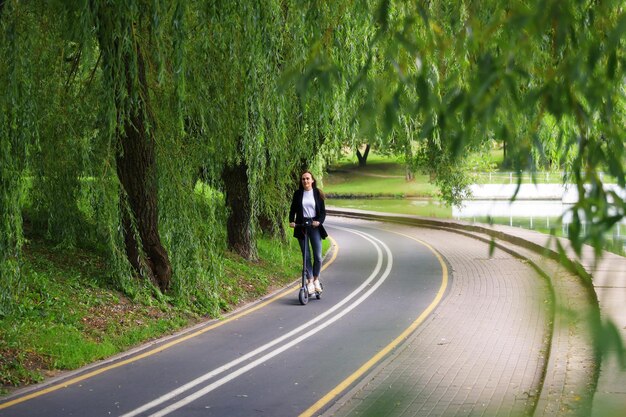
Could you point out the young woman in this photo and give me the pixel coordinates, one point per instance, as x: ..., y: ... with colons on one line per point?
x: 308, y: 204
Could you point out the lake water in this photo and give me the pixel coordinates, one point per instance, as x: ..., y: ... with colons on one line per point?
x: 542, y: 215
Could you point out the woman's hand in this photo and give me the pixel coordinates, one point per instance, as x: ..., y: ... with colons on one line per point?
x: 315, y: 223
x: 292, y: 225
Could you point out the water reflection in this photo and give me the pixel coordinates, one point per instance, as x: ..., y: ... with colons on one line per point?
x: 536, y: 208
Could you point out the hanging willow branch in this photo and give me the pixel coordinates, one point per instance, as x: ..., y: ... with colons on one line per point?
x: 17, y: 134
x: 119, y: 29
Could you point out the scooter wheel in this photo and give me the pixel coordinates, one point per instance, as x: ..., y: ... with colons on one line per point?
x: 303, y: 296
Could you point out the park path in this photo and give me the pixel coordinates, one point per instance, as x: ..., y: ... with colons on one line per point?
x: 570, y: 368
x: 482, y: 352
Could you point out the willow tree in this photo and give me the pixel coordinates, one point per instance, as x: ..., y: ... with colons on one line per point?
x: 259, y: 132
x: 90, y: 108
x: 120, y: 29
x: 230, y: 99
x: 337, y: 37
x: 170, y: 233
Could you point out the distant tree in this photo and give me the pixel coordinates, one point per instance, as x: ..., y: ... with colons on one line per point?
x: 363, y: 157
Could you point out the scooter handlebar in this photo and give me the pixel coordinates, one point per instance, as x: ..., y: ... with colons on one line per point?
x: 307, y: 223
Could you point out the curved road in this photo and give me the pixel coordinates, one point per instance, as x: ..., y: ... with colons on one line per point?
x: 277, y: 358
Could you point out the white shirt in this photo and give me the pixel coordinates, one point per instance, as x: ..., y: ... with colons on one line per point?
x: 308, y: 204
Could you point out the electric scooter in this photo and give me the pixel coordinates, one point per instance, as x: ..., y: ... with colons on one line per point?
x: 303, y: 294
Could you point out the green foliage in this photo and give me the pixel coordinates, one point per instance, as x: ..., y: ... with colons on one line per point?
x: 17, y: 133
x: 278, y: 86
x: 545, y: 78
x: 282, y: 85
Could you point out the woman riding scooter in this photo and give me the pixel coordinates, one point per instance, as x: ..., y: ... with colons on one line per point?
x: 307, y: 205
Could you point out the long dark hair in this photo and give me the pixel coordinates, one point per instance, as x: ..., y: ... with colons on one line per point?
x: 306, y: 171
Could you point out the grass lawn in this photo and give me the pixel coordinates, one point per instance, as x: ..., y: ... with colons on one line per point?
x: 358, y: 184
x: 418, y: 207
x: 381, y: 177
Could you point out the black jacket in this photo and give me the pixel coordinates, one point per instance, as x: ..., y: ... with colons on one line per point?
x: 296, y: 213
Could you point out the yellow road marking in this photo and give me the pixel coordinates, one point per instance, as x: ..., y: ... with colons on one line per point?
x: 72, y: 381
x: 381, y: 354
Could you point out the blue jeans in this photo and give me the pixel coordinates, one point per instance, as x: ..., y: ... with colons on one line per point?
x: 313, y: 271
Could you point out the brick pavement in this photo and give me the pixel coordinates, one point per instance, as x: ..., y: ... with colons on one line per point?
x: 482, y: 352
x: 441, y: 369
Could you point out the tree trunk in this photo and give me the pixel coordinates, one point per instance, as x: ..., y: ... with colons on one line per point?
x: 363, y: 158
x: 274, y: 228
x: 409, y: 176
x: 130, y: 241
x: 239, y: 222
x: 136, y: 170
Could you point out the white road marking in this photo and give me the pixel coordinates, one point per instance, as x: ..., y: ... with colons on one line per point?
x: 172, y: 394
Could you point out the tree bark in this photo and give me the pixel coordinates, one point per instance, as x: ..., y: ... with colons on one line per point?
x: 272, y: 227
x: 239, y: 222
x: 137, y: 172
x: 363, y: 158
x: 409, y: 176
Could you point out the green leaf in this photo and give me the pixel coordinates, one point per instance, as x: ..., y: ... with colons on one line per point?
x: 423, y: 99
x: 616, y: 35
x: 611, y: 65
x: 382, y: 14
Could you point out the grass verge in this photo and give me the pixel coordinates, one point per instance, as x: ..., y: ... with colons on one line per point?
x: 70, y: 316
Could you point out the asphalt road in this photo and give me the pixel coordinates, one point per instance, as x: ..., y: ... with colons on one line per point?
x: 275, y: 358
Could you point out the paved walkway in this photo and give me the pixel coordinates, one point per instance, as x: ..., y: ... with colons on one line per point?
x: 496, y: 346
